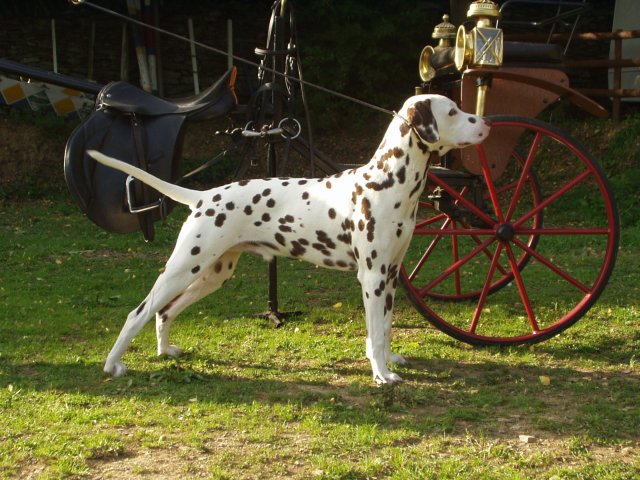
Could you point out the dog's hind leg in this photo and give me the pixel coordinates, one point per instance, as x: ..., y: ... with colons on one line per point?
x: 169, y: 286
x: 210, y: 281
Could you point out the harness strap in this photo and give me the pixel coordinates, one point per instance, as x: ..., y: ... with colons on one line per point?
x: 141, y: 191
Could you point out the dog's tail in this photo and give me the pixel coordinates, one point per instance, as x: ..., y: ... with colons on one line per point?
x: 175, y: 192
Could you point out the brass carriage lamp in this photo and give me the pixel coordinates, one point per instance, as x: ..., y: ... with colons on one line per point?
x: 482, y: 47
x: 445, y: 33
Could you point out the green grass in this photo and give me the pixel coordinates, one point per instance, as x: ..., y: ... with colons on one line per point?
x: 250, y: 401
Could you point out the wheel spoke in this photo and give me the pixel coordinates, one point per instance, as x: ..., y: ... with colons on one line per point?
x: 456, y: 257
x: 485, y: 289
x: 459, y: 197
x: 431, y: 220
x: 553, y: 267
x: 493, y: 195
x: 447, y: 273
x: 488, y: 254
x: 429, y: 251
x: 500, y: 189
x: 522, y: 289
x: 456, y: 231
x: 552, y: 198
x: 564, y: 231
x: 524, y: 176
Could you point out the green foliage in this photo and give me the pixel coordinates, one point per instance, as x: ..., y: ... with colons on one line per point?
x: 623, y: 162
x: 49, y: 124
x: 365, y: 49
x: 615, y: 146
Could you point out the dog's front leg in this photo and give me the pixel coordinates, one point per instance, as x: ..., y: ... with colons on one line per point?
x: 389, y: 298
x: 375, y: 301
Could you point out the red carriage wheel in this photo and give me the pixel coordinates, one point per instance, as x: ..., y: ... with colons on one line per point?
x: 530, y: 251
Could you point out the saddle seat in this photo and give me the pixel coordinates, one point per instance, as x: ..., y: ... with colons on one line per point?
x: 215, y: 101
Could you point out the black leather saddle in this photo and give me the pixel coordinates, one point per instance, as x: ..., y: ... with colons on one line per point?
x: 146, y: 131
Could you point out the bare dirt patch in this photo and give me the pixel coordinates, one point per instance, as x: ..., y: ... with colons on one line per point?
x: 152, y: 464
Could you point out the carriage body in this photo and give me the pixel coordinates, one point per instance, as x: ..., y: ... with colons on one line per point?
x: 503, y: 224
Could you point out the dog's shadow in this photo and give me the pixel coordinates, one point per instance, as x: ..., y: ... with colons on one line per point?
x: 194, y: 376
x: 179, y: 381
x: 432, y: 388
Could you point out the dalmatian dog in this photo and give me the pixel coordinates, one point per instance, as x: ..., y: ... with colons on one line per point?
x: 360, y: 220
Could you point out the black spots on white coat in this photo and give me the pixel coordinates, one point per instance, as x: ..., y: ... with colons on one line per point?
x: 220, y: 219
x: 298, y: 249
x: 357, y: 191
x: 324, y: 239
x: 371, y: 227
x: 388, y: 303
x: 378, y: 186
x: 366, y: 208
x: 280, y: 239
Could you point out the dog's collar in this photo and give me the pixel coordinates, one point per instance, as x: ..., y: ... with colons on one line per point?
x: 404, y: 120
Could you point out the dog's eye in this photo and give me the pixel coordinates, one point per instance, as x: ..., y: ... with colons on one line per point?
x: 453, y: 112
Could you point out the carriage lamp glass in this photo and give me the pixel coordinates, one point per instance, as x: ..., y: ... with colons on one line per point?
x: 482, y: 46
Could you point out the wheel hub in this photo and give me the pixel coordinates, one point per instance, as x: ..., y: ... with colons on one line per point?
x: 505, y: 232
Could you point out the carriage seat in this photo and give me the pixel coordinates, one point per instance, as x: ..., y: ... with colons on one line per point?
x: 532, y: 53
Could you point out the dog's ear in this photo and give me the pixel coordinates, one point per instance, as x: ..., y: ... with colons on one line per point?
x: 421, y: 118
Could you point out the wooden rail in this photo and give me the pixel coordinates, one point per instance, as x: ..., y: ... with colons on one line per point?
x: 617, y: 93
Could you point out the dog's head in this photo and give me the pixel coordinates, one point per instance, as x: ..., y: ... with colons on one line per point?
x: 439, y: 122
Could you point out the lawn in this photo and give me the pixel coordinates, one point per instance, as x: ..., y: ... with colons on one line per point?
x: 251, y: 401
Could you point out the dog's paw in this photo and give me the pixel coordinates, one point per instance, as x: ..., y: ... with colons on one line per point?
x: 115, y: 369
x: 389, y: 378
x: 171, y: 351
x: 397, y: 359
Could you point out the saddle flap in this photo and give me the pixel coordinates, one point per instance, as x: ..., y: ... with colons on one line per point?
x: 101, y: 192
